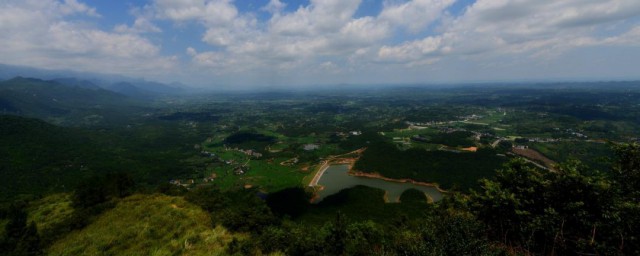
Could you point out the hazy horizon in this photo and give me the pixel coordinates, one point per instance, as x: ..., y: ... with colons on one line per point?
x: 8, y: 72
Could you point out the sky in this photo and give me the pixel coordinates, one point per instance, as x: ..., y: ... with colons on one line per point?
x: 267, y: 43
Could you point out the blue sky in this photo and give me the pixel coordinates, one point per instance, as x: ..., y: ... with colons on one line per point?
x: 244, y: 43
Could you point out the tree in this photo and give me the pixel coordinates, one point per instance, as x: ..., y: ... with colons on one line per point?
x: 336, y: 241
x: 572, y: 210
x: 99, y: 189
x: 290, y: 201
x: 364, y: 238
x: 89, y: 192
x: 20, y: 239
x: 626, y: 173
x: 626, y: 170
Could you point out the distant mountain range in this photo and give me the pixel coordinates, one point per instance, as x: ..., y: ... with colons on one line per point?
x: 70, y: 101
x: 132, y: 87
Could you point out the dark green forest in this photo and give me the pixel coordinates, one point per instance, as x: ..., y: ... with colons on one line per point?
x: 448, y: 169
x: 40, y: 158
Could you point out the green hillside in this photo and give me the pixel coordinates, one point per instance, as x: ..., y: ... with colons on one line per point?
x: 37, y: 157
x: 61, y: 103
x: 50, y: 213
x: 148, y: 225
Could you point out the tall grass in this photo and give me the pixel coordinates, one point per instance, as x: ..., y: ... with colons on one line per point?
x: 148, y: 225
x: 50, y: 211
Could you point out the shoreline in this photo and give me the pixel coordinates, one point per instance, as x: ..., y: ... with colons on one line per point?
x: 331, y: 160
x: 318, y: 175
x: 380, y: 177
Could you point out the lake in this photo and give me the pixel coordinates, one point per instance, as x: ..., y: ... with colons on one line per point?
x: 336, y: 178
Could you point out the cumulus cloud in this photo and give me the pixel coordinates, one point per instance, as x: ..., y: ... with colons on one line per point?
x: 519, y: 26
x: 274, y: 6
x: 320, y: 16
x: 73, y: 6
x: 327, y: 31
x: 414, y: 15
x: 222, y: 20
x: 180, y: 10
x: 40, y: 33
x: 412, y: 51
x: 541, y: 28
x: 140, y: 25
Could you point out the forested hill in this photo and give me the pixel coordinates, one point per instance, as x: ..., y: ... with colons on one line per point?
x: 449, y: 169
x: 53, y: 100
x: 38, y: 158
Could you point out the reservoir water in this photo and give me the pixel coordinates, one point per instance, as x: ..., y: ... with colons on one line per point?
x: 336, y: 178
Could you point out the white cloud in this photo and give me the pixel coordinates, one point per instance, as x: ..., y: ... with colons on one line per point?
x: 179, y: 10
x: 140, y: 25
x: 211, y: 59
x: 209, y: 12
x: 191, y: 51
x: 68, y: 38
x: 41, y: 33
x: 540, y: 28
x: 286, y: 41
x: 414, y: 15
x: 365, y: 30
x: 320, y: 16
x: 412, y: 51
x: 73, y: 6
x: 274, y: 6
x: 630, y: 37
x: 222, y: 20
x: 535, y: 25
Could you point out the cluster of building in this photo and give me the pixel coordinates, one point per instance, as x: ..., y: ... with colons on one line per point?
x: 425, y: 123
x: 520, y: 146
x: 309, y: 147
x: 184, y: 183
x: 470, y: 117
x: 241, y: 169
x: 347, y: 134
x: 543, y: 140
x: 574, y: 133
x: 250, y: 152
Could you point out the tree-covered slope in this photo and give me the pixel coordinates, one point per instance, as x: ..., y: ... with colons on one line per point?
x: 445, y: 168
x: 37, y: 157
x: 61, y: 103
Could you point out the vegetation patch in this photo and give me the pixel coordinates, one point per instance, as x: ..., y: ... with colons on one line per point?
x: 249, y: 140
x: 453, y: 139
x: 50, y: 212
x: 148, y: 225
x: 448, y: 169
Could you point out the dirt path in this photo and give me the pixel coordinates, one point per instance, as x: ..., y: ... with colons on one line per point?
x: 316, y: 178
x: 338, y: 159
x: 535, y: 157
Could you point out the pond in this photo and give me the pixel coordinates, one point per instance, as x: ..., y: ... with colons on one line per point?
x: 336, y: 178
